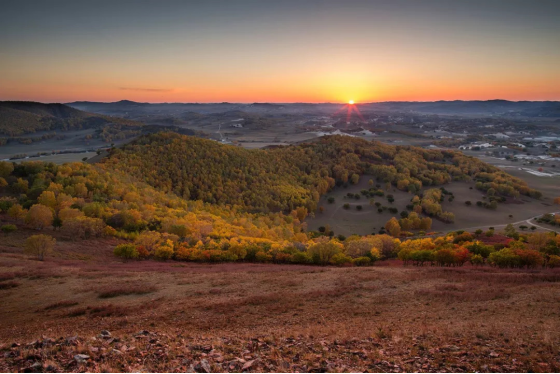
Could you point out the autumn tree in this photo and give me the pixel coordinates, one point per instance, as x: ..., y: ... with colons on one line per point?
x: 392, y: 226
x: 39, y: 216
x: 39, y: 246
x: 16, y: 211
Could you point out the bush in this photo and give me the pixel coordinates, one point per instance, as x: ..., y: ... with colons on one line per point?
x: 330, y: 200
x: 126, y: 251
x: 340, y: 259
x: 346, y: 206
x: 359, y: 207
x: 8, y: 228
x: 553, y: 261
x: 164, y: 251
x: 361, y: 261
x: 262, y: 256
x: 477, y: 260
x: 301, y: 258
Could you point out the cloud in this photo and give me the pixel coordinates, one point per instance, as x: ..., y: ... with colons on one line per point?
x: 146, y: 89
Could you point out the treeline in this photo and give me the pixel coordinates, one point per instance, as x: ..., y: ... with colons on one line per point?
x: 513, y: 251
x: 354, y: 250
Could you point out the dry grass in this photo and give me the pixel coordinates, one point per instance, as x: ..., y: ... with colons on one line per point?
x: 60, y: 304
x: 8, y: 285
x: 390, y: 312
x: 106, y: 293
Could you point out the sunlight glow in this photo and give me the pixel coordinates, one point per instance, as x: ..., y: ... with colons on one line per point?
x: 351, y: 102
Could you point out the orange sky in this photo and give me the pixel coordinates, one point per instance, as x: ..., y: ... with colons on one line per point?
x: 247, y: 51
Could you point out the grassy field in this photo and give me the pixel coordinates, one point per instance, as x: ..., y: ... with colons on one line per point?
x: 170, y: 316
x: 369, y: 220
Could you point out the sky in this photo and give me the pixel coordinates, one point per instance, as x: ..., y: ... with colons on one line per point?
x: 279, y: 51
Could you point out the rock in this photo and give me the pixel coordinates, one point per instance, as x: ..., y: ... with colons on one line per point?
x: 81, y: 358
x: 71, y: 339
x: 203, y: 367
x: 494, y: 354
x: 35, y: 368
x: 105, y: 334
x: 247, y: 365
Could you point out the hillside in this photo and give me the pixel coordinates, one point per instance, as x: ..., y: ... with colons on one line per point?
x: 285, y: 178
x: 19, y: 118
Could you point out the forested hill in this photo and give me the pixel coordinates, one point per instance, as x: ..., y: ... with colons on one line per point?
x: 285, y: 178
x: 22, y: 117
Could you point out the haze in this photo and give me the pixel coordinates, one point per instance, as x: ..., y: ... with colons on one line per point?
x: 289, y: 51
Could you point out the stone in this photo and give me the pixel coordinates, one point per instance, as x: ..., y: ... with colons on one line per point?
x: 81, y: 358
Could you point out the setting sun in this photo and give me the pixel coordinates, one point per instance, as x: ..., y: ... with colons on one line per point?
x: 351, y: 102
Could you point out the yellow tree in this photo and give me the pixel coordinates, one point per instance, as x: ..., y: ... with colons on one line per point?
x: 39, y: 245
x: 392, y: 226
x: 39, y: 216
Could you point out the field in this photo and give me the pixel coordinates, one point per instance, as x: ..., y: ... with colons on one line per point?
x: 369, y: 220
x: 175, y: 316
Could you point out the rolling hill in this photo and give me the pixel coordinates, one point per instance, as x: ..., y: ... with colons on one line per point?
x: 20, y: 118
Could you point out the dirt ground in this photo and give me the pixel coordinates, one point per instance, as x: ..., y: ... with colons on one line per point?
x: 172, y: 316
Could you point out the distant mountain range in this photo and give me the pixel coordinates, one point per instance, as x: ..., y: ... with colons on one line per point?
x: 19, y: 118
x: 128, y: 109
x: 24, y: 117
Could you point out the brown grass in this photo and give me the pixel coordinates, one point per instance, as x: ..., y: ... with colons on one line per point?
x: 124, y: 290
x: 60, y: 304
x: 364, y: 316
x: 8, y: 285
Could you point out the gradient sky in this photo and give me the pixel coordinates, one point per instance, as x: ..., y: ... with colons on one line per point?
x: 279, y: 51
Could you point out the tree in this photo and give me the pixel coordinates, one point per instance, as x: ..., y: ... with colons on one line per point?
x: 16, y: 211
x: 324, y: 250
x: 557, y: 200
x: 39, y: 245
x: 6, y: 168
x: 392, y: 226
x: 510, y: 230
x: 48, y: 199
x: 355, y: 178
x: 39, y: 216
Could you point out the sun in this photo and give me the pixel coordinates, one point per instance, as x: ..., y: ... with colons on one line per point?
x: 351, y: 102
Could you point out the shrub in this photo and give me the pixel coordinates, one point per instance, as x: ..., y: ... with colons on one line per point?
x: 8, y: 228
x: 340, y: 259
x: 126, y: 251
x: 358, y: 207
x: 346, y: 206
x: 330, y: 200
x: 164, y: 251
x: 553, y: 261
x: 361, y: 261
x: 301, y: 258
x: 374, y: 254
x: 477, y: 260
x: 262, y: 256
